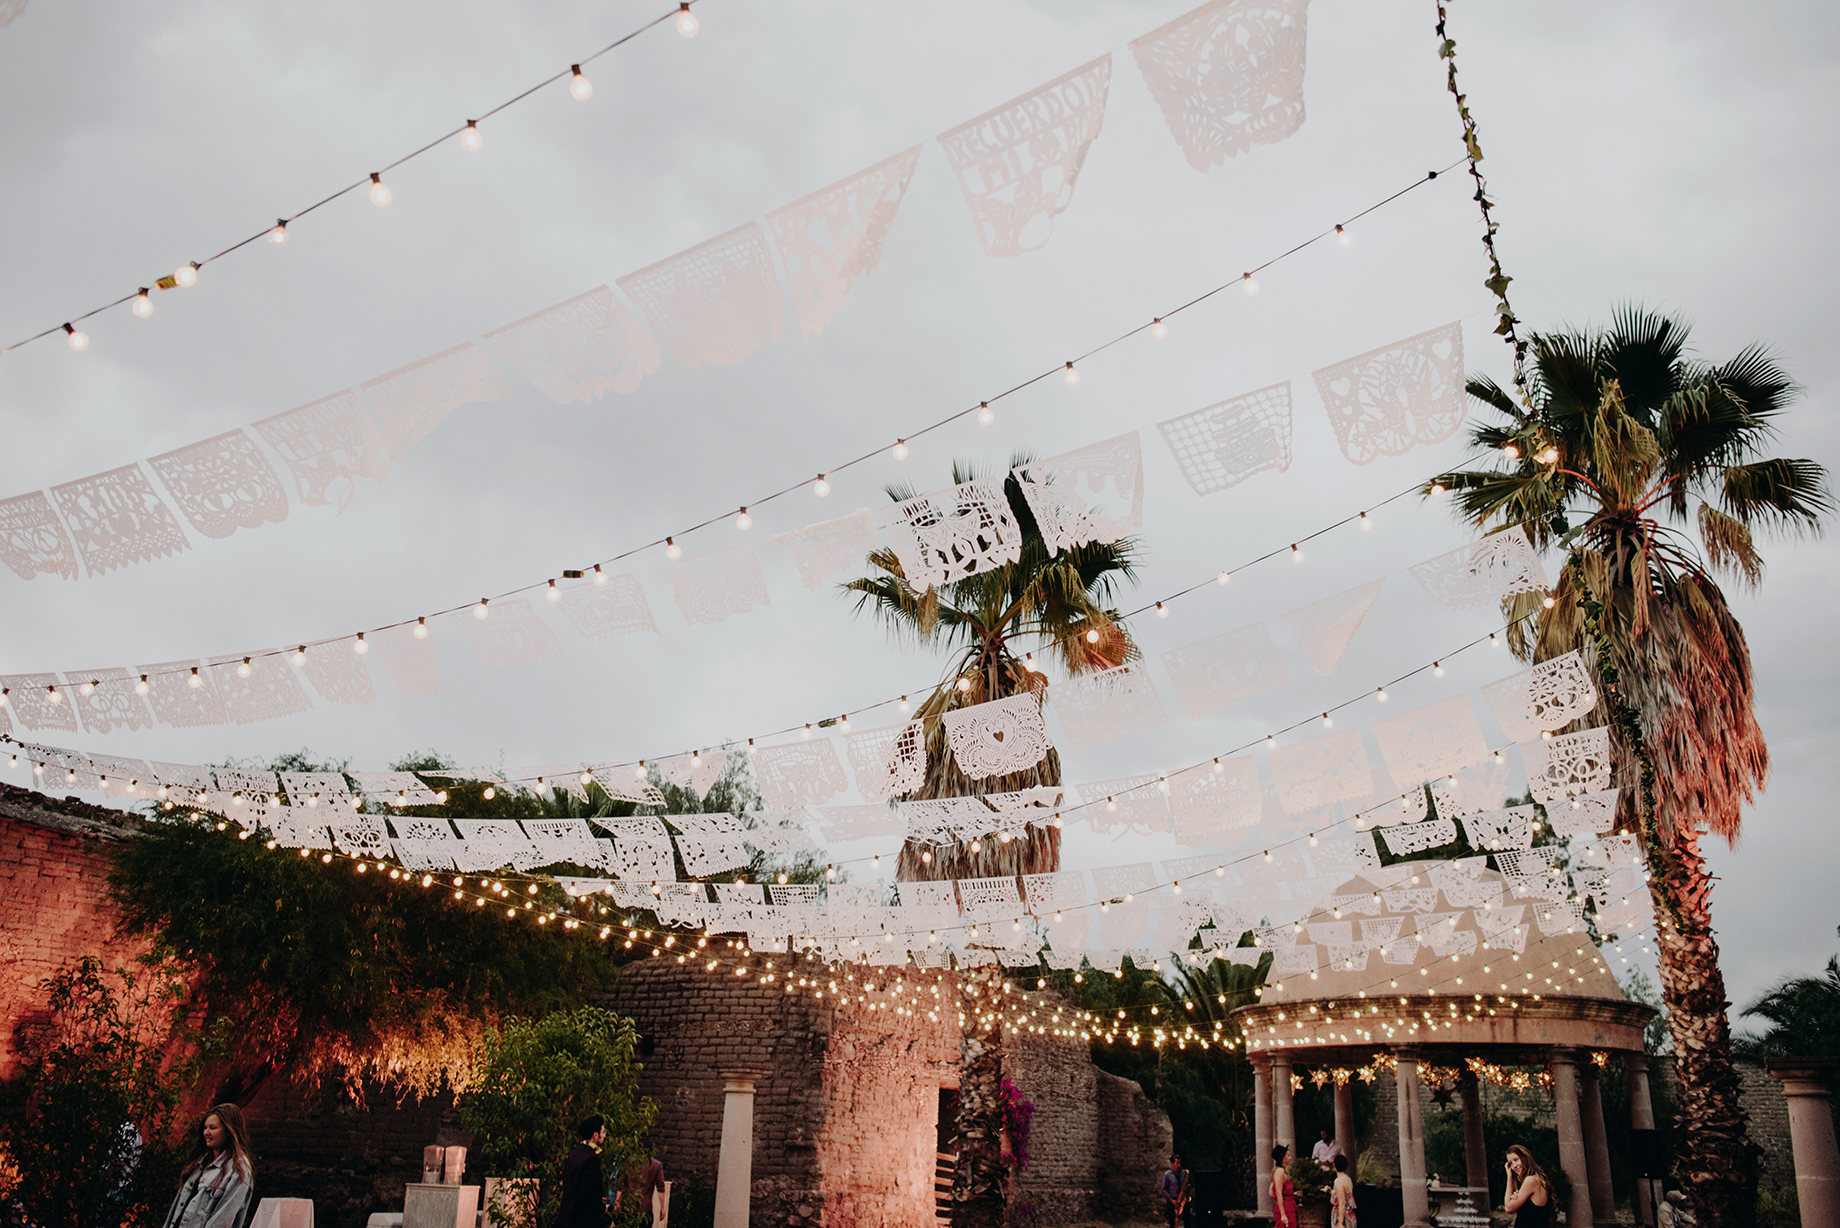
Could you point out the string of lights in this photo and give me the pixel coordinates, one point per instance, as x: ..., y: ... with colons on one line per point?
x: 742, y: 519
x: 580, y: 88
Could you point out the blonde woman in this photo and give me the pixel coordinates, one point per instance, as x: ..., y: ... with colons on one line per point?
x: 1529, y: 1195
x: 1341, y: 1196
x: 220, y: 1180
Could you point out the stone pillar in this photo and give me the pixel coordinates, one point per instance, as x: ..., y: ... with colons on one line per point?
x: 735, y: 1167
x: 1596, y: 1144
x: 1641, y: 1117
x: 1416, y: 1201
x: 1261, y: 1128
x: 1283, y: 1118
x: 1344, y: 1122
x: 1811, y: 1135
x: 1475, y: 1150
x: 1568, y: 1120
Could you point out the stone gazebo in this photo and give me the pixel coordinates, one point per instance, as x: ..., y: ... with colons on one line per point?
x: 1442, y: 964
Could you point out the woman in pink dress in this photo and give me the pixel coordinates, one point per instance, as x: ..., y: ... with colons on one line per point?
x: 1283, y: 1192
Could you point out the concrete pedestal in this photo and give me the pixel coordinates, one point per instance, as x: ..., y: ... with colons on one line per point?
x: 1811, y: 1135
x: 1570, y: 1125
x: 440, y: 1206
x: 1261, y: 1129
x: 735, y: 1167
x: 1413, y: 1197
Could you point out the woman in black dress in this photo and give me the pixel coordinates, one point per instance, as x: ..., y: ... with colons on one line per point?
x: 1529, y: 1196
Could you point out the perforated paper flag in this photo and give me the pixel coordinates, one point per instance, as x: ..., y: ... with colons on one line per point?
x: 1481, y: 573
x: 1136, y: 803
x: 1092, y: 494
x: 112, y: 703
x: 32, y: 539
x: 953, y: 533
x: 716, y: 586
x: 1430, y: 742
x: 642, y: 851
x: 561, y: 841
x: 830, y: 238
x: 338, y: 674
x: 1498, y: 830
x: 1222, y: 670
x: 710, y: 843
x: 1322, y: 771
x: 116, y: 519
x: 805, y: 773
x: 328, y: 444
x: 1549, y: 696
x: 405, y: 788
x: 1482, y: 785
x: 1104, y: 705
x: 718, y: 302
x: 1215, y: 807
x: 1417, y: 837
x: 617, y: 607
x: 512, y: 633
x: 177, y: 703
x: 1324, y: 629
x: 696, y: 772
x: 269, y: 691
x: 990, y: 900
x: 1568, y: 764
x: 29, y: 698
x: 410, y: 662
x: 1386, y: 400
x: 1228, y: 76
x: 889, y: 760
x: 1018, y: 163
x: 223, y: 484
x: 411, y: 401
x: 580, y: 350
x: 822, y: 550
x: 1584, y: 814
x: 998, y: 738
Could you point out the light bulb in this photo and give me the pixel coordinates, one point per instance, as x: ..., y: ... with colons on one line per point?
x: 1380, y: 694
x: 686, y: 20
x: 469, y: 136
x: 964, y: 684
x: 1249, y: 284
x: 1494, y: 640
x: 143, y: 304
x: 743, y: 521
x: 1028, y: 662
x: 600, y: 577
x: 899, y: 451
x: 78, y: 340
x: 1511, y: 451
x: 579, y: 86
x: 1162, y: 611
x: 277, y: 233
x: 54, y: 695
x: 1328, y: 721
x: 1343, y: 237
x: 380, y: 195
x: 1437, y: 669
x: 1158, y: 328
x: 1549, y: 601
x: 195, y: 680
x: 554, y: 593
x: 1270, y: 741
x: 490, y: 793
x: 1437, y: 490
x: 672, y: 550
x: 820, y: 487
x: 1071, y: 375
x: 359, y: 646
x: 1092, y: 636
x: 1366, y: 521
x: 142, y: 687
x: 86, y: 688
x: 187, y: 274
x: 482, y: 610
x: 905, y: 706
x: 805, y: 732
x: 421, y: 628
x: 1549, y: 456
x: 243, y: 670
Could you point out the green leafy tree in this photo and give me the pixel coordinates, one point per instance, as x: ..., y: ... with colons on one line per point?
x: 1804, y: 1017
x: 1624, y: 437
x: 86, y: 1138
x: 534, y: 1080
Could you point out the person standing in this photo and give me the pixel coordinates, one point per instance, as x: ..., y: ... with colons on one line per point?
x: 220, y: 1180
x: 654, y: 1197
x: 1529, y: 1196
x: 1283, y: 1192
x: 1325, y: 1151
x: 1341, y: 1195
x: 584, y: 1197
x: 1173, y: 1186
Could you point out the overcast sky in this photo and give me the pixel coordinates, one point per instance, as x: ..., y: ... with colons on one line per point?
x: 1676, y: 154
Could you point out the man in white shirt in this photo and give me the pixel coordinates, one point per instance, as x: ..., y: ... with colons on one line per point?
x: 1325, y: 1151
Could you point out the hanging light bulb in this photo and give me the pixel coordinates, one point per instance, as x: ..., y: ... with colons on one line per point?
x: 687, y: 24
x: 1328, y: 721
x: 600, y: 577
x: 1343, y: 238
x: 579, y: 86
x: 1092, y: 635
x: 553, y: 593
x: 820, y: 487
x: 905, y: 706
x: 482, y: 610
x: 53, y: 694
x: 78, y: 341
x: 899, y: 451
x: 1071, y: 375
x: 359, y: 646
x: 469, y: 136
x: 143, y: 304
x: 1249, y: 284
x: 1162, y: 611
x: 1380, y: 694
x: 1028, y: 662
x: 245, y: 669
x: 86, y: 688
x: 277, y: 234
x: 1511, y: 451
x: 743, y: 521
x: 380, y: 194
x: 964, y: 684
x: 1494, y: 640
x: 751, y: 748
x: 490, y: 793
x: 421, y: 629
x: 142, y: 687
x: 1549, y: 601
x: 1270, y: 742
x: 187, y: 274
x: 805, y: 732
x: 195, y: 680
x: 1437, y: 669
x: 1158, y: 328
x: 1437, y: 490
x: 1366, y: 521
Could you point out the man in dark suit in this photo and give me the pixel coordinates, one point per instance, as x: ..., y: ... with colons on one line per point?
x: 584, y: 1196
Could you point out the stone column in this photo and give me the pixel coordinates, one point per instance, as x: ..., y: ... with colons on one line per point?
x: 1416, y: 1201
x: 1261, y: 1128
x: 1571, y: 1134
x: 1641, y: 1117
x: 1283, y: 1118
x: 735, y: 1167
x: 1596, y: 1144
x: 1344, y: 1122
x: 1811, y: 1135
x: 1475, y: 1151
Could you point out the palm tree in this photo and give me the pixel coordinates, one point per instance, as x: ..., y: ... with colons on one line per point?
x: 1804, y: 1016
x: 1627, y: 435
x: 1055, y: 604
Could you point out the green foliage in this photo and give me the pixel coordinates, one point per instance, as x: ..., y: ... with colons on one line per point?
x: 87, y: 1133
x: 1307, y: 1176
x: 1638, y: 988
x: 534, y: 1080
x: 1804, y: 1017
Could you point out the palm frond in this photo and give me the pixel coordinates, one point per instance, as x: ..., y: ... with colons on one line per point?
x: 1787, y: 495
x: 1643, y: 352
x: 1758, y: 382
x: 1728, y: 545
